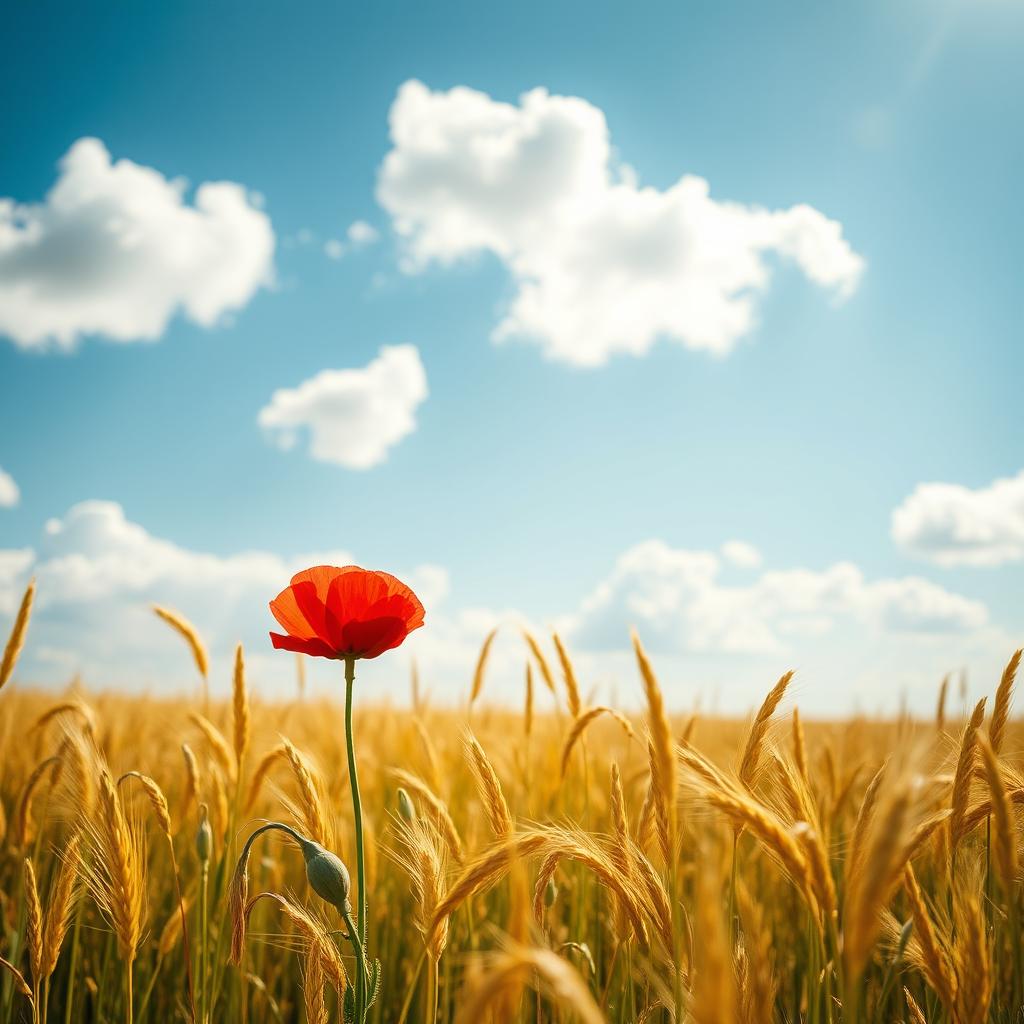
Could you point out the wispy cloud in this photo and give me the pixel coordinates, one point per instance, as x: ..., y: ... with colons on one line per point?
x: 359, y: 235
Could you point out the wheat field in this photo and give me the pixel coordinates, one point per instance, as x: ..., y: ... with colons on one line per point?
x: 585, y: 864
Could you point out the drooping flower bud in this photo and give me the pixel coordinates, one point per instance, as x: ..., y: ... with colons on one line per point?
x: 204, y: 837
x: 328, y: 877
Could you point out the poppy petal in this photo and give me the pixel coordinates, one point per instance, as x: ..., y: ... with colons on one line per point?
x: 312, y: 607
x: 337, y: 611
x: 312, y: 645
x: 353, y: 594
x: 397, y: 588
x: 322, y: 576
x: 285, y: 609
x: 373, y: 638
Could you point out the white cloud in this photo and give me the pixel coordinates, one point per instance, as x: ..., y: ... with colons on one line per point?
x: 741, y: 554
x: 675, y: 599
x: 361, y: 233
x: 115, y: 249
x: 953, y: 525
x: 353, y: 417
x: 98, y: 573
x: 602, y: 265
x: 10, y: 494
x: 851, y: 639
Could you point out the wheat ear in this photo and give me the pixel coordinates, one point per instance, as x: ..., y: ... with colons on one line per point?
x: 16, y: 640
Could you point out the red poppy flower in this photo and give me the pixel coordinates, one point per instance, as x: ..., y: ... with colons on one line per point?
x: 348, y: 612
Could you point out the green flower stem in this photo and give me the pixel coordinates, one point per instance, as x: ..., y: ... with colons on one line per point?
x: 357, y: 814
x: 357, y: 946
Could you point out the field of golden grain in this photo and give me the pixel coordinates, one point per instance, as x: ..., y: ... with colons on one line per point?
x: 584, y: 865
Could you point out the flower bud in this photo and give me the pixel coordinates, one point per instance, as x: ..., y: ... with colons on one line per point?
x: 328, y: 877
x: 405, y: 807
x: 204, y: 837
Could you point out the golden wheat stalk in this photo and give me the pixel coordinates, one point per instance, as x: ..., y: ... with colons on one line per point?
x: 1004, y: 696
x: 241, y: 718
x: 189, y: 634
x: 751, y: 759
x: 963, y: 775
x: 193, y: 781
x: 262, y: 771
x: 314, y: 933
x: 580, y: 724
x: 973, y: 957
x: 19, y: 981
x: 878, y: 871
x: 542, y: 662
x: 68, y: 707
x: 156, y: 798
x: 1004, y: 832
x: 713, y: 998
x: 572, y: 688
x: 16, y: 640
x: 489, y: 789
x: 528, y: 702
x: 60, y: 905
x: 819, y: 870
x: 173, y: 929
x: 664, y: 774
x: 800, y: 748
x: 940, y: 707
x: 938, y: 969
x: 758, y: 984
x: 484, y: 871
x: 313, y: 990
x: 481, y: 666
x: 33, y: 922
x: 314, y: 813
x: 114, y: 872
x: 916, y: 1013
x: 423, y: 857
x: 443, y: 816
x: 506, y: 972
x: 219, y: 746
x: 23, y: 814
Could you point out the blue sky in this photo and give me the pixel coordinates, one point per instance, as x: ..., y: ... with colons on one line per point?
x: 525, y: 484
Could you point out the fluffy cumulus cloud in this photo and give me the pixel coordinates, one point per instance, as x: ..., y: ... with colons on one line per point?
x: 953, y: 525
x: 851, y: 639
x: 678, y: 601
x: 98, y: 573
x: 352, y: 417
x: 602, y: 265
x: 116, y: 249
x: 10, y: 494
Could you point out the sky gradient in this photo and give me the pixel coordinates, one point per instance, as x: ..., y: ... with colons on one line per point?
x: 205, y: 385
